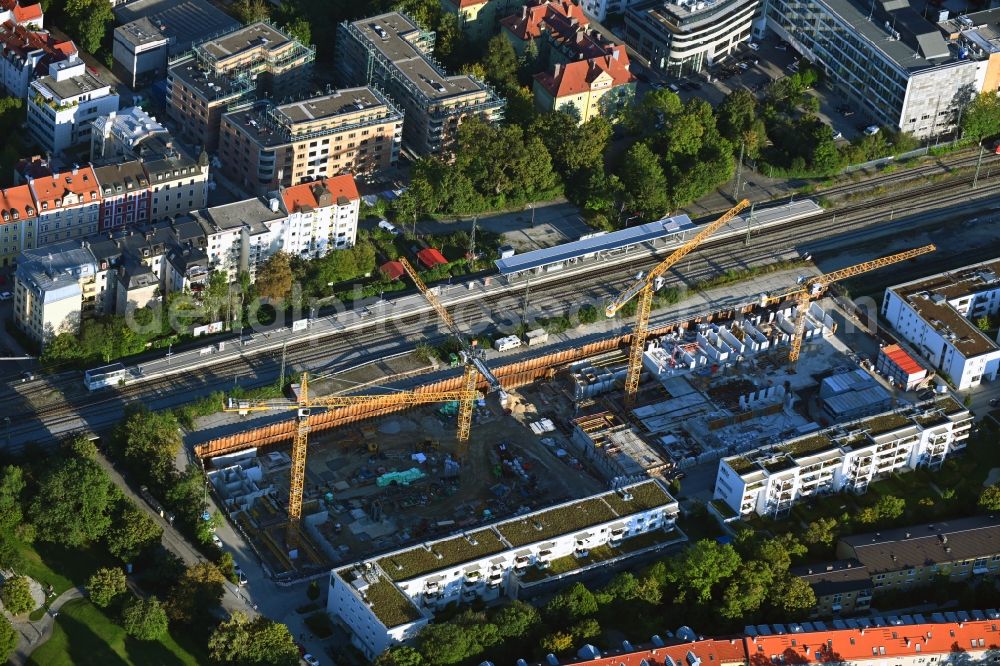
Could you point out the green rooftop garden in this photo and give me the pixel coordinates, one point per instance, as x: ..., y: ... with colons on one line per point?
x: 390, y: 606
x: 645, y: 496
x: 807, y: 445
x: 885, y: 422
x: 778, y: 464
x: 554, y: 522
x: 739, y: 464
x: 418, y: 561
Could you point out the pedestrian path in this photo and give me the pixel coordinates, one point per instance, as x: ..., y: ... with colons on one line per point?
x: 33, y: 633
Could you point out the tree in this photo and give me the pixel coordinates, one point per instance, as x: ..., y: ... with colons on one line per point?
x: 145, y: 619
x: 747, y: 590
x: 574, y: 147
x: 989, y: 499
x: 150, y: 442
x: 821, y: 532
x: 700, y: 568
x: 574, y: 603
x: 300, y: 29
x: 890, y: 507
x: 558, y: 641
x: 251, y: 11
x: 585, y: 629
x: 16, y: 595
x: 242, y: 640
x: 443, y: 644
x: 777, y: 552
x: 400, y: 655
x: 63, y: 348
x: 517, y: 619
x: 197, y: 594
x: 981, y: 117
x: 88, y: 22
x: 187, y: 496
x: 215, y: 295
x: 644, y: 183
x: 105, y: 585
x: 11, y: 486
x: 792, y: 595
x: 132, y: 533
x: 623, y: 587
x: 228, y: 567
x: 274, y: 277
x: 737, y: 114
x: 8, y: 639
x: 500, y: 63
x: 72, y: 503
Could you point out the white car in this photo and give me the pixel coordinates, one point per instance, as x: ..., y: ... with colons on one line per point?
x: 216, y: 540
x: 6, y: 295
x: 388, y: 226
x: 753, y: 45
x: 311, y: 660
x: 871, y: 130
x: 837, y: 134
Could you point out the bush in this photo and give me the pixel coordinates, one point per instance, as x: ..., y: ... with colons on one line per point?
x: 105, y: 585
x: 16, y: 595
x: 313, y: 591
x: 145, y: 619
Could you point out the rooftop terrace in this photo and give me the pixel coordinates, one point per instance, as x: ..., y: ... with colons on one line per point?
x: 560, y: 520
x: 418, y: 561
x: 390, y: 606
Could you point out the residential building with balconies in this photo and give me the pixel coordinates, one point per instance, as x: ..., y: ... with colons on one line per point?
x: 68, y: 205
x: 178, y: 182
x: 63, y: 105
x: 352, y: 131
x: 846, y: 457
x: 322, y: 217
x: 125, y: 195
x: 391, y: 52
x: 233, y: 69
x: 388, y: 599
x: 238, y: 236
x: 27, y: 54
x: 937, y: 316
x: 18, y: 223
x: 51, y: 287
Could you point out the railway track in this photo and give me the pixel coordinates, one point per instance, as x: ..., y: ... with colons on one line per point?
x: 602, y: 279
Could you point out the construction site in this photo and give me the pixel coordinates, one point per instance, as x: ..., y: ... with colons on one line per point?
x: 339, y: 478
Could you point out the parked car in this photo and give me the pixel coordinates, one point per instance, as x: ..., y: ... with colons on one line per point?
x: 388, y: 226
x: 674, y: 88
x: 216, y: 540
x: 6, y: 295
x: 753, y: 45
x: 311, y: 660
x: 996, y: 147
x: 871, y: 130
x: 837, y: 134
x: 240, y: 576
x: 781, y: 46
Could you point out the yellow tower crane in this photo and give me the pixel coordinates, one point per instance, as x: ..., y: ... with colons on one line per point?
x: 644, y: 286
x: 473, y: 358
x: 816, y: 285
x: 304, y: 406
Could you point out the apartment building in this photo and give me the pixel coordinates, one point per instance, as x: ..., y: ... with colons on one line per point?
x: 140, y: 51
x: 887, y: 58
x: 18, y: 217
x: 63, y: 105
x: 240, y: 236
x: 393, y: 53
x: 544, y: 24
x: 321, y: 216
x: 847, y: 457
x: 684, y: 36
x: 477, y: 19
x: 18, y: 13
x: 234, y: 68
x: 918, y: 555
x: 267, y: 146
x: 178, y: 181
x: 936, y: 315
x: 68, y: 205
x: 842, y: 587
x: 125, y: 195
x: 50, y: 288
x: 388, y: 599
x: 600, y: 86
x: 26, y: 54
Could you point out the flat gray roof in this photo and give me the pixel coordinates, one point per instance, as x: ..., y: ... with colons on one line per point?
x: 73, y: 86
x: 413, y: 63
x: 184, y: 22
x: 252, y: 36
x: 140, y: 32
x: 251, y: 212
x: 601, y: 243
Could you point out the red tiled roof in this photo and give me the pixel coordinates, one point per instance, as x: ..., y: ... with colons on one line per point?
x: 49, y: 188
x: 392, y: 270
x: 577, y: 77
x: 898, y: 355
x: 16, y: 198
x: 27, y: 14
x: 462, y: 4
x: 20, y: 40
x: 304, y: 194
x: 430, y: 257
x: 874, y: 643
x: 557, y: 15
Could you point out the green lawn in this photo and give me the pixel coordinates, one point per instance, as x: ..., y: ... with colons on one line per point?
x: 60, y: 567
x: 83, y: 634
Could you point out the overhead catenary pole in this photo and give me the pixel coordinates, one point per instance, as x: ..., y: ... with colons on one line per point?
x: 281, y: 375
x: 739, y: 173
x: 979, y: 163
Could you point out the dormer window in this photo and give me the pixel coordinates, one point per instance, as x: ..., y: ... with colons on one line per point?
x: 15, y: 214
x: 45, y: 205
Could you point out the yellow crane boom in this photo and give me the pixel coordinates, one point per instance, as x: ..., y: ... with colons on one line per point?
x: 474, y: 363
x: 815, y: 285
x: 304, y: 406
x: 644, y: 286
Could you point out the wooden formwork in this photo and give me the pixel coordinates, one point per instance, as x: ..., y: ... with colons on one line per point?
x: 512, y: 375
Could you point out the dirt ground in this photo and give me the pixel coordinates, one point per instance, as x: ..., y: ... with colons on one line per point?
x: 506, y: 469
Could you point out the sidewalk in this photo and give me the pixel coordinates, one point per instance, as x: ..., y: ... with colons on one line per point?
x: 33, y: 634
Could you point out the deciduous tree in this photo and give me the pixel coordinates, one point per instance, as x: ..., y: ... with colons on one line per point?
x: 8, y: 639
x: 88, y: 22
x: 570, y: 605
x: 73, y: 502
x: 251, y: 11
x: 105, y: 585
x: 644, y: 183
x: 702, y: 566
x: 400, y: 655
x: 517, y: 619
x: 11, y: 487
x: 132, y: 533
x: 981, y: 117
x: 989, y: 499
x: 274, y: 277
x: 145, y: 619
x: 16, y: 595
x: 197, y: 594
x: 500, y: 63
x: 150, y: 442
x: 821, y: 532
x: 443, y: 644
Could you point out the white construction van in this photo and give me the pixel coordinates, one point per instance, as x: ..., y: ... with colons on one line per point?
x: 509, y: 342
